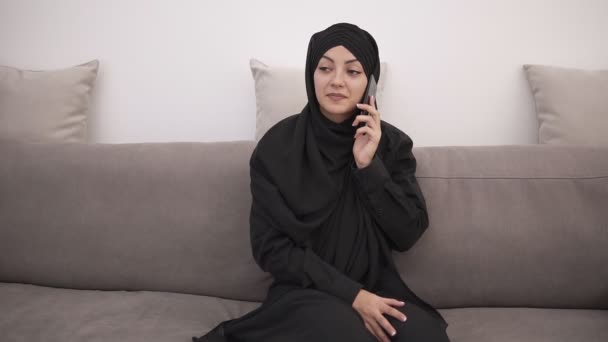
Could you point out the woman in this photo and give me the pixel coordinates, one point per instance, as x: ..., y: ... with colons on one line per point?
x: 330, y: 201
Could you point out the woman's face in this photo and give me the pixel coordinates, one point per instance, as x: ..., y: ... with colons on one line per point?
x: 339, y: 83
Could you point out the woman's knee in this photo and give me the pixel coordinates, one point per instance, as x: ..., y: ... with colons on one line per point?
x: 330, y: 318
x: 419, y: 326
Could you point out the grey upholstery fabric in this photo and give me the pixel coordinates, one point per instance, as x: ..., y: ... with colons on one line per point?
x: 39, y: 313
x: 517, y: 225
x: 148, y: 216
x: 36, y: 313
x: 515, y: 249
x: 526, y: 324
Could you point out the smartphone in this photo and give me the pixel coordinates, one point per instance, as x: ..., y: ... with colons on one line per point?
x: 371, y: 91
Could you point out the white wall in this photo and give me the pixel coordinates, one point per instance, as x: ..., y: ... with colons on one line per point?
x: 179, y: 70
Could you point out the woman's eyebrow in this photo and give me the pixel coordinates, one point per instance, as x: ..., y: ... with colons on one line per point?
x: 349, y: 61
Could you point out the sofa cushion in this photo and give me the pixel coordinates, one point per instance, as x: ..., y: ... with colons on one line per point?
x: 571, y: 104
x: 37, y: 313
x: 521, y: 225
x: 514, y: 225
x: 50, y: 106
x: 143, y: 216
x: 502, y: 324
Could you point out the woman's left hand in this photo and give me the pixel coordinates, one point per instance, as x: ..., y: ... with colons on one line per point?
x: 367, y: 138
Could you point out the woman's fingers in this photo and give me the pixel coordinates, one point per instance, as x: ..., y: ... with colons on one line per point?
x: 386, y: 325
x: 393, y: 301
x: 371, y: 112
x: 364, y: 118
x: 373, y: 309
x: 371, y: 330
x: 364, y: 130
x: 395, y: 313
x: 389, y: 309
x: 379, y: 332
x: 371, y: 109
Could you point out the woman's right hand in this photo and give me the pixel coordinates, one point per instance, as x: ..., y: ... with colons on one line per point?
x: 372, y: 308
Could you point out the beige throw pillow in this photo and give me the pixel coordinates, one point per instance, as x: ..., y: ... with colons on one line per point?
x: 281, y: 91
x: 571, y: 104
x: 46, y: 106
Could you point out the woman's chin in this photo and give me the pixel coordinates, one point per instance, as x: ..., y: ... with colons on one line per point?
x: 345, y: 111
x: 346, y: 114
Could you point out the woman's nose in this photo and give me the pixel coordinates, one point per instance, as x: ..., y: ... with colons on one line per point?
x: 338, y: 79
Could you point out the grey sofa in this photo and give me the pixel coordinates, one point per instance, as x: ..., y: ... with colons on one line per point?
x: 150, y: 241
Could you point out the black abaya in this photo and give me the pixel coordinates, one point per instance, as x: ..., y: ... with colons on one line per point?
x: 311, y: 297
x: 325, y: 229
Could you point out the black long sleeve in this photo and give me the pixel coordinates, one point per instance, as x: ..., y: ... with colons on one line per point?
x: 394, y: 198
x: 277, y: 254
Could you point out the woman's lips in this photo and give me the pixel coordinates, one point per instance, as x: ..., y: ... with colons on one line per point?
x: 336, y: 97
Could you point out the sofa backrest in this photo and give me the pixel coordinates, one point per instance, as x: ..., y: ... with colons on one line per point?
x: 520, y: 225
x: 138, y: 216
x: 513, y: 225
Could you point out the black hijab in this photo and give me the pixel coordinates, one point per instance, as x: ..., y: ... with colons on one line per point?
x: 301, y: 169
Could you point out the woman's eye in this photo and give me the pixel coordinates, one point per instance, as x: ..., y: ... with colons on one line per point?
x: 352, y: 72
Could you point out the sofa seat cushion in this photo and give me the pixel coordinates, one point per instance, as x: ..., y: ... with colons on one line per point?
x: 502, y: 324
x: 40, y: 313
